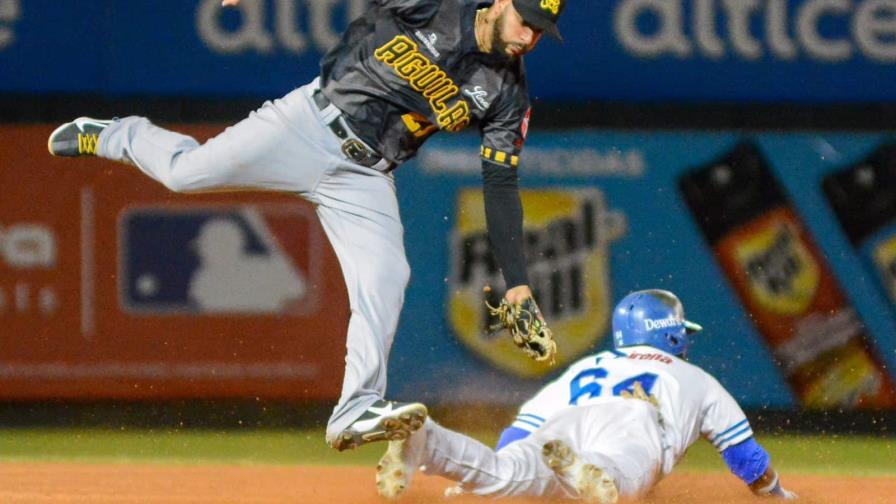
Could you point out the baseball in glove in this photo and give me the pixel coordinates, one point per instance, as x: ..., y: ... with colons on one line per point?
x: 527, y: 328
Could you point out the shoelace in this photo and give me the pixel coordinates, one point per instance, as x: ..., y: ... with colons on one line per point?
x: 87, y: 143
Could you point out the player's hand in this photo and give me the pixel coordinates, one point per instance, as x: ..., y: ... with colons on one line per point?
x: 769, y: 485
x: 788, y: 495
x: 519, y: 294
x: 519, y: 314
x: 781, y: 493
x: 229, y: 3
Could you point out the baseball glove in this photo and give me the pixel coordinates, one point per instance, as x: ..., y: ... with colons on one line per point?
x: 529, y: 332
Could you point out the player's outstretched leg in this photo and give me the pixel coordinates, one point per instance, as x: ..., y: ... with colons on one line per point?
x: 398, y: 464
x: 77, y: 138
x: 591, y: 482
x: 383, y: 421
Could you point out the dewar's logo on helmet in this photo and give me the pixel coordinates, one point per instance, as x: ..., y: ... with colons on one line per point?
x: 567, y: 236
x: 664, y: 323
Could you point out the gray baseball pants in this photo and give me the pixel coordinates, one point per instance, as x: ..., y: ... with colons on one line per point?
x: 622, y: 437
x: 286, y: 146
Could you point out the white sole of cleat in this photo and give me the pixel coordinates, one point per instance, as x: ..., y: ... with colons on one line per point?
x: 590, y: 482
x: 392, y: 477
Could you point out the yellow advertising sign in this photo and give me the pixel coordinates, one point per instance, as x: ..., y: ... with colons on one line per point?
x: 885, y: 259
x: 567, y: 235
x: 782, y: 274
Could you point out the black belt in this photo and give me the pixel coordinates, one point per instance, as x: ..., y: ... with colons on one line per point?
x: 352, y: 147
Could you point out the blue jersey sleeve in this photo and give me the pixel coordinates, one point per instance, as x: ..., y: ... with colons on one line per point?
x: 510, y: 435
x: 747, y: 460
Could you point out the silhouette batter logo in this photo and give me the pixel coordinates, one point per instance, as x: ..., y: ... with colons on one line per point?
x: 250, y: 259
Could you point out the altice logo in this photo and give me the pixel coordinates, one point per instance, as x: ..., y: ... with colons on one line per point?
x: 270, y: 26
x: 828, y: 31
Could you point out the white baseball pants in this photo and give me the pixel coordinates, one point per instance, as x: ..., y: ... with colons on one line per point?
x: 285, y: 146
x: 621, y: 437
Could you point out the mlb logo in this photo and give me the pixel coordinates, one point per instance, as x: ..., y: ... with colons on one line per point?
x: 220, y: 259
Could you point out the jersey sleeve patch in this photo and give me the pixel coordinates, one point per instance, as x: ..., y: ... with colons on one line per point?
x: 737, y: 433
x: 524, y: 128
x: 499, y: 157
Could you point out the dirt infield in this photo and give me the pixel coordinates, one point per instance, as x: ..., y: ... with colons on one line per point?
x: 129, y: 483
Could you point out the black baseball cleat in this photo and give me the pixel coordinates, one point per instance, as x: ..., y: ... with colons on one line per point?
x: 77, y: 138
x: 383, y: 421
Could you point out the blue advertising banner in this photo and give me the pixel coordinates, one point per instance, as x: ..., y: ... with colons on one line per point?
x: 637, y: 50
x: 742, y: 227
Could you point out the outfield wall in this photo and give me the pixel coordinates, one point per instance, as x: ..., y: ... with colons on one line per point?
x: 108, y: 284
x: 763, y: 263
x: 112, y: 287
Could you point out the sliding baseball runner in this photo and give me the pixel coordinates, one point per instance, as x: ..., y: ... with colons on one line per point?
x: 612, y: 424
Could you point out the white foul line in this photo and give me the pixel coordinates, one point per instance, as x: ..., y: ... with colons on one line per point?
x: 88, y: 270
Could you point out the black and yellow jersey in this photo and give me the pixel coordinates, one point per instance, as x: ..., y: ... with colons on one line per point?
x: 409, y: 68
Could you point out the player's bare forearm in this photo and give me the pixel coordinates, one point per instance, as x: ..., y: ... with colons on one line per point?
x: 229, y: 3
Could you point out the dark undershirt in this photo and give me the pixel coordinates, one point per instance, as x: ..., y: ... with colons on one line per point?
x: 504, y: 220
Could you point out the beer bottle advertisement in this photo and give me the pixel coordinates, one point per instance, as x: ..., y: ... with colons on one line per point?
x: 863, y: 197
x: 782, y: 279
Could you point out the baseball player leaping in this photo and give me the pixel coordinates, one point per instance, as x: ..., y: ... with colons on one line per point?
x: 402, y: 71
x: 613, y: 424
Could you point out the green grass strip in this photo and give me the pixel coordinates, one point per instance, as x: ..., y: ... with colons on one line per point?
x: 286, y: 447
x: 829, y: 454
x: 839, y: 455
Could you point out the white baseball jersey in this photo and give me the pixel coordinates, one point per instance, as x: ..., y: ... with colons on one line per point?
x: 633, y: 441
x: 691, y: 401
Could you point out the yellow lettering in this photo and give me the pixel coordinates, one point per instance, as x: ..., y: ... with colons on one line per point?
x: 405, y: 58
x: 418, y: 125
x: 426, y: 78
x: 551, y: 5
x: 394, y: 49
x: 436, y: 86
x: 411, y: 65
x: 420, y: 74
x: 455, y: 118
x: 437, y: 99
